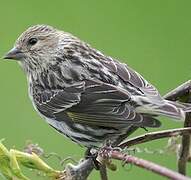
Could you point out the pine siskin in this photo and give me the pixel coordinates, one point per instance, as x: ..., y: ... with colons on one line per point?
x: 87, y: 96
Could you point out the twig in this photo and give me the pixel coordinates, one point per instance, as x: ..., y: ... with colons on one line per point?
x: 103, y: 172
x: 180, y: 92
x: 163, y: 171
x: 185, y: 147
x: 78, y: 172
x: 155, y: 135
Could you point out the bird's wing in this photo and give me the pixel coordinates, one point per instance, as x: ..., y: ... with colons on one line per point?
x: 48, y: 102
x: 93, y: 103
x: 88, y: 62
x: 106, y: 105
x: 132, y: 78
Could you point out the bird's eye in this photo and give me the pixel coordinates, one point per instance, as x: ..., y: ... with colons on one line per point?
x: 32, y: 41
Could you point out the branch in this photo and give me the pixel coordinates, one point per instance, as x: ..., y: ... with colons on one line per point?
x: 78, y: 172
x: 185, y: 147
x: 150, y: 166
x: 155, y: 135
x: 180, y: 93
x: 104, y: 153
x: 103, y: 172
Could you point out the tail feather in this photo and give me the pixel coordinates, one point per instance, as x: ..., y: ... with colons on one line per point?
x: 172, y: 110
x: 175, y: 110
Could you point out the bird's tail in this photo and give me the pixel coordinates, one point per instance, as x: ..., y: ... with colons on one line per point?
x: 175, y: 110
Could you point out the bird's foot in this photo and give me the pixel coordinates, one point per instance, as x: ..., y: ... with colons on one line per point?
x: 102, y: 156
x: 93, y: 153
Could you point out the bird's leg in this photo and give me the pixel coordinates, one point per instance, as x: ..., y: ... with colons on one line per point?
x: 102, y: 162
x: 103, y: 156
x: 92, y: 153
x: 121, y: 138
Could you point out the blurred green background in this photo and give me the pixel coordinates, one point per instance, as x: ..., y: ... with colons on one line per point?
x: 153, y: 37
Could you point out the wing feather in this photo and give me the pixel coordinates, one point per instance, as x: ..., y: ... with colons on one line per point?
x: 91, y: 102
x: 132, y: 78
x: 107, y: 105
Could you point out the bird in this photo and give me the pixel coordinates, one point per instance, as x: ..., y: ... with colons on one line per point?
x: 84, y: 94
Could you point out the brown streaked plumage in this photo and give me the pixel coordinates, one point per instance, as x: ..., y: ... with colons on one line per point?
x: 84, y: 94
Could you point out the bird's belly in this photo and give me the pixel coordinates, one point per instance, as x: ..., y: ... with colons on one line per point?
x: 83, y: 135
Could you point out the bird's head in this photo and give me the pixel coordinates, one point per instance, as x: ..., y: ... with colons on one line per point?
x: 36, y: 47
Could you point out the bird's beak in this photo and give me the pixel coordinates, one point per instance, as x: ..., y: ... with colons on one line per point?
x: 15, y: 54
